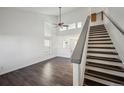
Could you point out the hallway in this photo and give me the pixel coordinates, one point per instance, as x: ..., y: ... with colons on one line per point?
x: 54, y: 72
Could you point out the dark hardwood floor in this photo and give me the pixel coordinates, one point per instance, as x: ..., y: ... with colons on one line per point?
x: 54, y: 72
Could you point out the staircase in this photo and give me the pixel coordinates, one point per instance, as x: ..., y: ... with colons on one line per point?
x: 103, y: 66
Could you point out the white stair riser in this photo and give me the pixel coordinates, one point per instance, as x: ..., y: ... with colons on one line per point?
x: 102, y: 50
x: 101, y: 45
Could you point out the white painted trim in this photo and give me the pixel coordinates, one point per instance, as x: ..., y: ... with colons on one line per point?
x: 76, y: 74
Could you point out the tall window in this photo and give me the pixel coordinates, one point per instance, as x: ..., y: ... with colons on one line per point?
x: 47, y: 43
x: 47, y: 29
x: 72, y: 26
x: 79, y: 24
x: 63, y: 29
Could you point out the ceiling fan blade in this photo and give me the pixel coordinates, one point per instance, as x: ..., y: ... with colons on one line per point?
x: 65, y: 26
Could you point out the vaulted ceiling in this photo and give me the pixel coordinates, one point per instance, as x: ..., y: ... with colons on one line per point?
x: 48, y: 10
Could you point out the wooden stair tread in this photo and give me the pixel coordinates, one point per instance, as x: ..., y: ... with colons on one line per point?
x: 103, y: 52
x: 116, y: 79
x: 98, y: 34
x: 95, y: 31
x: 104, y: 58
x: 100, y: 40
x: 92, y: 83
x: 100, y: 37
x: 102, y: 47
x: 106, y: 71
x: 105, y: 62
x: 115, y: 68
x: 102, y: 81
x: 100, y: 43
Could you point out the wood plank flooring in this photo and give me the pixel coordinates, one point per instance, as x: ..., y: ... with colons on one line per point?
x: 54, y: 72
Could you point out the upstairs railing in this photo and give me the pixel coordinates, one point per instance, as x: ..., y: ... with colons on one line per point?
x: 117, y: 34
x: 114, y: 23
x: 78, y: 54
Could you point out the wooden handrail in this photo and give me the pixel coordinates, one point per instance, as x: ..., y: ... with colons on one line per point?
x: 77, y: 54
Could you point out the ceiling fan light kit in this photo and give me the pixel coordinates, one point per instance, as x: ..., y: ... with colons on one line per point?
x: 60, y: 24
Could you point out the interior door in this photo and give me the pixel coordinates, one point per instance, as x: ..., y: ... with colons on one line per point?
x: 93, y: 17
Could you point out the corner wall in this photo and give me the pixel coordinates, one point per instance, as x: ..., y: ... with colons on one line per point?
x: 22, y: 39
x: 77, y: 15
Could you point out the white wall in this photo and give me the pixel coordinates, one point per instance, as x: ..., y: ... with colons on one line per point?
x: 97, y: 9
x: 117, y: 14
x: 22, y: 39
x: 78, y: 15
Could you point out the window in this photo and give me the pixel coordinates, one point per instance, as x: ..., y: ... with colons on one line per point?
x: 63, y: 29
x: 79, y: 24
x: 72, y: 26
x: 47, y: 29
x: 47, y: 43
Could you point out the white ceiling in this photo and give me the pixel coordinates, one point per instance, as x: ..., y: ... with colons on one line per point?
x: 48, y: 10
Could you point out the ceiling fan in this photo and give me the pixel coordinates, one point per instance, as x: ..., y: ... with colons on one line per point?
x: 60, y: 23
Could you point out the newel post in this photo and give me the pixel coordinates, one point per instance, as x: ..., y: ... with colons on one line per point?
x: 76, y: 74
